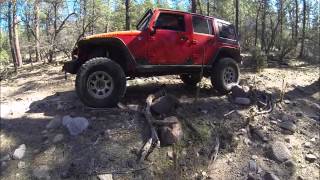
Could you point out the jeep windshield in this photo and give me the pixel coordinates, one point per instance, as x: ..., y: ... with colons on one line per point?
x: 144, y: 21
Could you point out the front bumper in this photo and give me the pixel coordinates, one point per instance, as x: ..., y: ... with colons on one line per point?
x: 71, y: 66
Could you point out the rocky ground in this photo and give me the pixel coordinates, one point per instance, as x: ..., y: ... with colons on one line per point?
x: 36, y: 142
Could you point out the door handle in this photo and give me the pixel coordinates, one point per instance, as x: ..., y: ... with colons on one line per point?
x: 183, y: 38
x: 193, y: 41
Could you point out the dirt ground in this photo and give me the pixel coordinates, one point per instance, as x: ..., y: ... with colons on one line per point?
x: 38, y: 94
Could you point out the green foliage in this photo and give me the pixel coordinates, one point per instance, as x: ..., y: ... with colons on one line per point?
x: 4, y: 51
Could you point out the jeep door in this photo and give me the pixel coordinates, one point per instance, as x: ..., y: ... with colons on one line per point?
x: 168, y: 43
x: 204, y: 43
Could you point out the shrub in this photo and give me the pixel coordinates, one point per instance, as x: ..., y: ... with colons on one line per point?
x: 259, y: 59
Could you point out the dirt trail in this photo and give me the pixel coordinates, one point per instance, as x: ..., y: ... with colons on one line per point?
x: 31, y: 99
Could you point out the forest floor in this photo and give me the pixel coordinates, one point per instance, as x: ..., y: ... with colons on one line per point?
x: 37, y: 95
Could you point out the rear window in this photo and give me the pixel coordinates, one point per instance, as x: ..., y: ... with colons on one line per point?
x: 201, y: 25
x: 227, y: 31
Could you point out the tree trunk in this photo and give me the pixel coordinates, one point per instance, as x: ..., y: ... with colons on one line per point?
x: 281, y: 19
x: 36, y: 29
x: 297, y: 21
x: 263, y: 24
x: 303, y: 28
x: 199, y: 5
x: 127, y: 14
x: 256, y: 28
x: 237, y: 16
x: 11, y: 40
x: 193, y: 6
x: 16, y: 35
x: 208, y: 7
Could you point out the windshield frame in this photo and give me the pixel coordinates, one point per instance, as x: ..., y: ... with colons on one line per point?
x: 145, y: 20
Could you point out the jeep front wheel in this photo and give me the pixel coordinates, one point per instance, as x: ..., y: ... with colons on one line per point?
x: 225, y: 74
x: 190, y: 79
x: 100, y: 82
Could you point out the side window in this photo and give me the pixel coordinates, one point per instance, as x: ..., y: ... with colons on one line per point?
x: 227, y: 31
x: 171, y: 22
x: 201, y: 25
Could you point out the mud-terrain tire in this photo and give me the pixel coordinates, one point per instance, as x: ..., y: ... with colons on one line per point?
x: 225, y: 74
x: 100, y: 82
x: 190, y: 79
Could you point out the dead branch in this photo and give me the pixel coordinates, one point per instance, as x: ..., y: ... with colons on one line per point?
x: 164, y: 122
x: 214, y: 152
x: 227, y: 114
x: 153, y: 141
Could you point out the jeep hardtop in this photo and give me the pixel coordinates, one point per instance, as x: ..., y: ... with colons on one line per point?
x: 165, y: 42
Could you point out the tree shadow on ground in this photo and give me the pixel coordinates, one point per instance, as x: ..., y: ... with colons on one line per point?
x: 305, y: 91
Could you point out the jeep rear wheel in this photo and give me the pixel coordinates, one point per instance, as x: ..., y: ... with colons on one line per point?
x: 190, y: 79
x: 225, y: 74
x: 100, y: 82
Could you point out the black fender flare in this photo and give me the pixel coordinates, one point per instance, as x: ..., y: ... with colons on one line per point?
x: 114, y: 43
x: 233, y: 53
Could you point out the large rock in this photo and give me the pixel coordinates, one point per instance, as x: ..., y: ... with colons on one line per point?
x: 288, y: 125
x: 165, y: 105
x: 238, y: 91
x: 171, y: 134
x: 57, y: 138
x: 19, y: 152
x: 280, y: 152
x: 75, y: 125
x: 54, y: 123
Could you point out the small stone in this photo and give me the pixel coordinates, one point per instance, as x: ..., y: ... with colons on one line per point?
x: 254, y: 157
x: 253, y: 166
x: 204, y: 111
x: 300, y: 178
x: 54, y: 123
x: 243, y: 131
x: 19, y: 152
x: 299, y: 114
x: 273, y: 122
x: 5, y: 158
x: 310, y: 157
x: 242, y: 101
x: 170, y: 154
x: 270, y: 176
x: 289, y: 163
x: 57, y: 138
x: 21, y: 164
x: 41, y: 172
x: 287, y: 139
x: 105, y: 177
x: 307, y: 145
x: 280, y: 152
x: 313, y: 140
x: 288, y: 125
x: 286, y: 101
x: 44, y: 131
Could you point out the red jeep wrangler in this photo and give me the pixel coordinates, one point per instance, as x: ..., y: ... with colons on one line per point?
x: 166, y: 42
